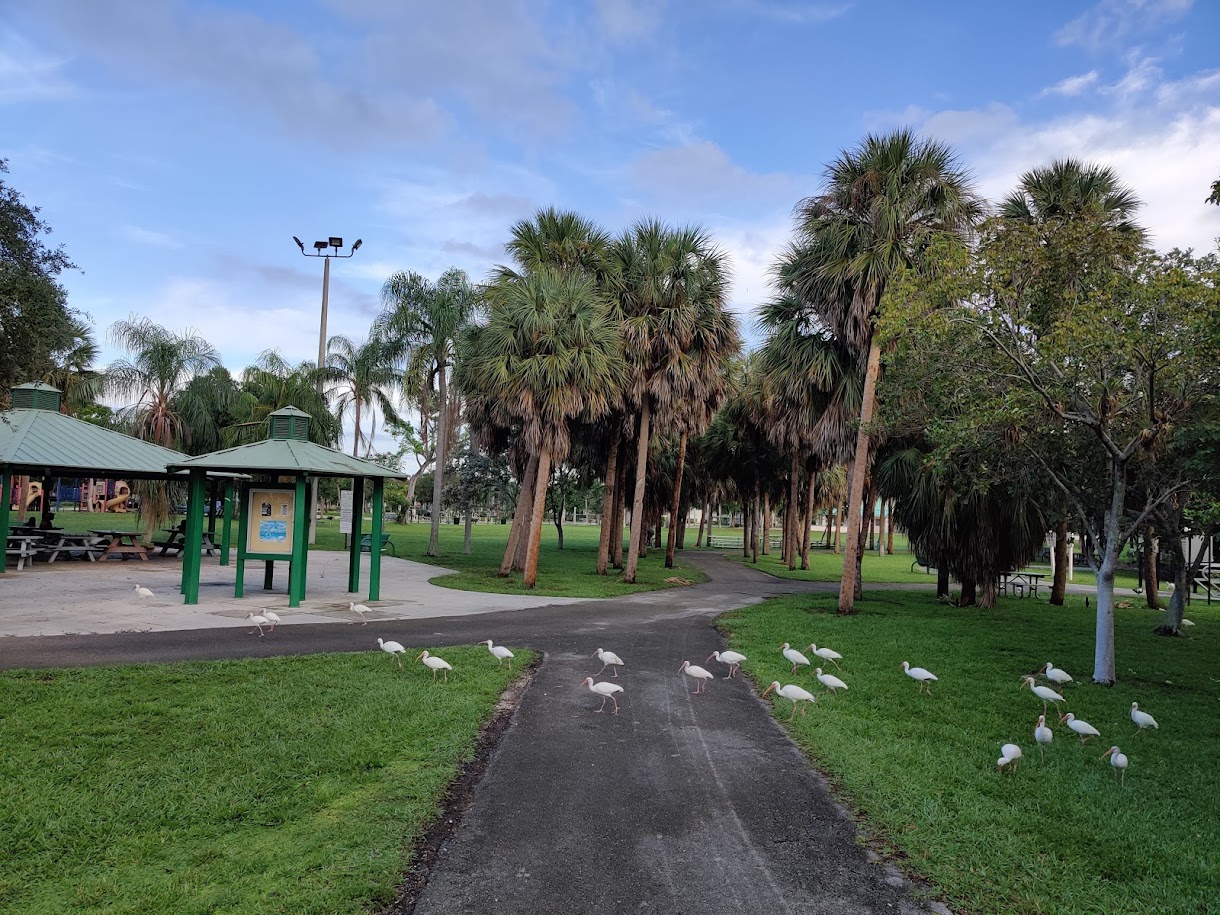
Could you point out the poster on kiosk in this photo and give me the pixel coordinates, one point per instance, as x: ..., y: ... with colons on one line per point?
x: 271, y: 515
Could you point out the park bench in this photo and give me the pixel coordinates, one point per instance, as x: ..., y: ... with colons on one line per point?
x: 23, y: 546
x: 723, y: 543
x: 921, y: 561
x: 366, y: 544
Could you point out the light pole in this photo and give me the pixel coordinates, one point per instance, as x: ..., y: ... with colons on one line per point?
x: 320, y: 250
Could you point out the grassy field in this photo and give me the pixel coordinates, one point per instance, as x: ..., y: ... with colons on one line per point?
x: 1058, y: 836
x: 291, y: 785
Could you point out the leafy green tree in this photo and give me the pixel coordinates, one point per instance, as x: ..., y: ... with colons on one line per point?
x: 364, y: 379
x: 272, y: 384
x: 1215, y: 194
x: 73, y: 370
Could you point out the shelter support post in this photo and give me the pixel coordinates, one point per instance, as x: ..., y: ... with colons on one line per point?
x: 193, y: 550
x: 226, y: 531
x: 6, y: 493
x: 239, y: 588
x: 353, y: 559
x: 269, y: 575
x: 375, y: 538
x: 300, y: 543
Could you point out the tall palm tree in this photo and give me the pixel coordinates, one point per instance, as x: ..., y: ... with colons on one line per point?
x: 364, y: 379
x: 272, y: 383
x: 73, y: 372
x: 552, y: 353
x: 420, y: 324
x: 880, y: 205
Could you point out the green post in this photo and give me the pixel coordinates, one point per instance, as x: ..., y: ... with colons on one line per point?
x: 375, y: 539
x: 300, y: 539
x: 239, y: 589
x: 6, y: 493
x: 193, y: 550
x: 353, y: 559
x: 226, y: 532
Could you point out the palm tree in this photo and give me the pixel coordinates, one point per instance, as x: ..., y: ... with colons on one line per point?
x: 421, y: 323
x: 880, y: 206
x: 364, y: 378
x: 271, y: 384
x: 552, y: 354
x: 73, y: 372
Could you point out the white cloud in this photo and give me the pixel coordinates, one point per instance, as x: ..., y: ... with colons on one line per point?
x: 1111, y: 22
x: 29, y: 75
x: 150, y: 237
x: 702, y: 173
x: 627, y: 20
x: 1073, y: 85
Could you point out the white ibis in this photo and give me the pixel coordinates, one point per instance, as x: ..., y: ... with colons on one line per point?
x: 1002, y: 762
x: 605, y: 690
x: 434, y: 664
x: 1185, y: 622
x: 793, y: 694
x: 273, y: 618
x: 499, y: 652
x: 1057, y: 674
x: 1142, y: 719
x: 393, y: 649
x: 1043, y: 735
x: 1118, y: 760
x: 1045, y: 693
x: 141, y: 592
x: 259, y: 621
x: 826, y: 654
x: 360, y: 610
x: 1010, y: 755
x: 923, y: 677
x: 830, y: 681
x: 794, y: 656
x: 1079, y: 727
x: 699, y: 675
x: 731, y: 658
x: 608, y: 659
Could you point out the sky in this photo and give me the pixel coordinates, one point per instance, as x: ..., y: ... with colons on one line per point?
x: 176, y: 146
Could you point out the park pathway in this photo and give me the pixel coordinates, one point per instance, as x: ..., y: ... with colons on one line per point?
x: 681, y: 803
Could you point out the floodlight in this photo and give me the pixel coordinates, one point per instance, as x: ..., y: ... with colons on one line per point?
x: 319, y: 246
x: 300, y: 244
x: 356, y: 246
x: 336, y: 242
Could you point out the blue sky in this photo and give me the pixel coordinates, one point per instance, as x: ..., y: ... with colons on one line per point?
x: 177, y: 146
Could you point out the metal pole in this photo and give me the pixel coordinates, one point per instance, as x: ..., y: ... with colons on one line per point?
x: 313, y: 484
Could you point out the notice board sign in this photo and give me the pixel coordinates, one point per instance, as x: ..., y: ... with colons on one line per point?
x: 345, y: 511
x: 270, y: 517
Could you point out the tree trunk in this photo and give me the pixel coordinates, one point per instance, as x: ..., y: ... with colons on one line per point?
x: 608, y: 506
x: 1172, y: 624
x: 807, y: 519
x: 942, y: 578
x: 969, y: 594
x: 356, y: 431
x: 855, y: 497
x: 442, y: 449
x: 745, y: 529
x: 704, y: 517
x: 1151, y: 584
x: 683, y: 519
x: 558, y: 515
x: 637, y: 505
x: 525, y: 498
x: 1103, y: 649
x: 765, y: 536
x: 755, y: 506
x: 536, y: 518
x: 1059, y: 585
x: 889, y: 531
x: 881, y: 529
x: 839, y: 509
x: 870, y: 498
x: 872, y: 518
x: 987, y: 594
x: 469, y: 529
x: 620, y: 509
x: 672, y: 543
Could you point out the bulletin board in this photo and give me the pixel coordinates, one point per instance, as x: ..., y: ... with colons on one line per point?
x: 270, y: 518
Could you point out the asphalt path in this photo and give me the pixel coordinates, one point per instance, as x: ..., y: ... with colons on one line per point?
x: 685, y: 803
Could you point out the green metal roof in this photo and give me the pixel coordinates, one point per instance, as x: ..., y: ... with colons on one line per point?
x: 38, y: 441
x: 287, y: 456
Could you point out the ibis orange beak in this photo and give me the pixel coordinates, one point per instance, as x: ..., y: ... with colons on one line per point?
x: 418, y: 656
x: 767, y: 690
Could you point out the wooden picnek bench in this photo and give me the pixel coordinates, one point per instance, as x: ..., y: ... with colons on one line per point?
x: 23, y: 546
x: 366, y: 544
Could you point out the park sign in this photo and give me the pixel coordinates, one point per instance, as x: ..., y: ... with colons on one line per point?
x: 345, y: 511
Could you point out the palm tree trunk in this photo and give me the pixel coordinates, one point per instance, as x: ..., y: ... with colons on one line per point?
x: 807, y: 519
x: 793, y: 511
x: 683, y: 515
x: 356, y: 431
x: 524, y: 498
x: 672, y: 542
x: 889, y: 531
x: 1151, y: 590
x: 755, y: 523
x: 855, y: 497
x: 608, y: 506
x: 703, y: 519
x: 969, y: 593
x: 765, y: 535
x: 442, y: 446
x: 942, y: 578
x: 620, y: 509
x: 1059, y: 585
x: 536, y: 518
x: 637, y: 504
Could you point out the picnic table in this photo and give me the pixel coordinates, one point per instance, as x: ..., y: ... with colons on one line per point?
x: 23, y: 546
x: 74, y: 544
x: 1022, y: 583
x: 177, y: 540
x: 122, y: 544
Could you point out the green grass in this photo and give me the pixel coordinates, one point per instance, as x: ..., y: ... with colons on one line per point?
x: 291, y: 785
x: 1059, y: 836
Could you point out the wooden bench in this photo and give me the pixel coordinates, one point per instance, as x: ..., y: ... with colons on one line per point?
x: 723, y: 543
x: 366, y: 544
x: 23, y: 546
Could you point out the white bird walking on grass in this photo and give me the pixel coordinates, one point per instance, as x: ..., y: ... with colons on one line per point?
x: 608, y: 659
x: 793, y: 694
x: 1081, y: 728
x: 499, y: 652
x: 434, y: 664
x: 605, y: 690
x: 830, y: 681
x: 1010, y: 755
x: 1118, y: 760
x: 923, y: 677
x: 794, y: 656
x: 359, y: 610
x: 1057, y: 674
x: 393, y: 649
x: 1043, y: 735
x: 259, y: 622
x: 826, y: 654
x: 699, y: 675
x: 1142, y: 719
x: 141, y: 592
x: 1045, y: 693
x: 273, y: 618
x: 731, y: 658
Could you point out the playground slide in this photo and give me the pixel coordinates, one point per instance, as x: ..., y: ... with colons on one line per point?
x: 34, y: 496
x: 117, y: 504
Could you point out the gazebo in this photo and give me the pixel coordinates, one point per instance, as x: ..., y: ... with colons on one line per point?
x: 273, y: 523
x: 37, y: 440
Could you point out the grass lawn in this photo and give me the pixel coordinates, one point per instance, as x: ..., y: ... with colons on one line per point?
x: 1058, y: 836
x: 290, y: 785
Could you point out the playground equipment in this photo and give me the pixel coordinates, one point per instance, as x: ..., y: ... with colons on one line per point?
x: 103, y: 496
x: 33, y: 494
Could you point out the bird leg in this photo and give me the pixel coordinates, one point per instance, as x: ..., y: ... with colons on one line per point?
x: 793, y: 715
x: 399, y: 660
x: 615, y: 701
x: 446, y: 680
x: 599, y: 673
x: 603, y: 705
x: 613, y: 671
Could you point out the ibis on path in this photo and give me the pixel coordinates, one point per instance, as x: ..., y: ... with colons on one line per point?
x: 830, y: 681
x: 499, y: 652
x: 434, y: 664
x: 608, y: 659
x: 393, y: 649
x: 731, y: 658
x: 793, y: 694
x: 1079, y: 727
x: 794, y: 656
x: 141, y: 592
x: 605, y: 690
x: 1045, y: 693
x: 1118, y: 760
x: 699, y: 675
x: 273, y: 618
x: 360, y: 610
x: 1043, y: 735
x: 259, y: 621
x: 826, y: 654
x: 1010, y: 755
x: 923, y: 677
x: 1142, y: 719
x: 1057, y: 674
